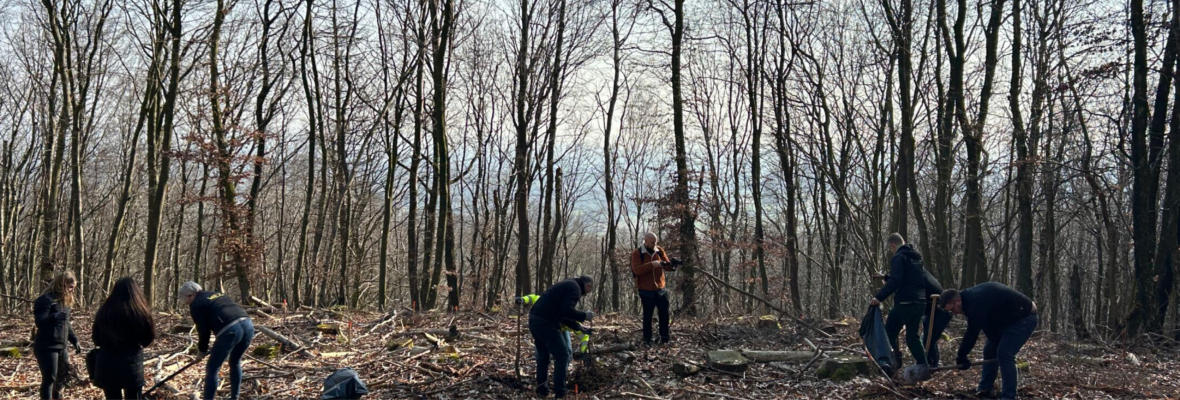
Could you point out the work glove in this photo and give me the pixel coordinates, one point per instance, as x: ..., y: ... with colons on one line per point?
x: 61, y: 316
x: 519, y: 300
x: 587, y: 330
x: 964, y: 364
x: 77, y: 349
x: 589, y: 315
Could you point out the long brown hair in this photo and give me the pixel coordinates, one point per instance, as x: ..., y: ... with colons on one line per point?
x: 61, y: 282
x: 124, y: 319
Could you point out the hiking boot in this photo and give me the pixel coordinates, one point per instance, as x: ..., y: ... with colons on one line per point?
x: 985, y: 394
x: 543, y: 390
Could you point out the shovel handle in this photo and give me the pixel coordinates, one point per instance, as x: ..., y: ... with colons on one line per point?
x: 174, y: 374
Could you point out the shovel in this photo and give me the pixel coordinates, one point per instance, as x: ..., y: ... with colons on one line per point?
x: 174, y: 374
x: 921, y: 372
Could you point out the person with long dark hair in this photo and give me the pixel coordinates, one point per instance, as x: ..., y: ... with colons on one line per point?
x: 123, y: 327
x: 51, y: 314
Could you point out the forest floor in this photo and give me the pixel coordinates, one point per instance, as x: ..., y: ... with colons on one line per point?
x: 397, y: 359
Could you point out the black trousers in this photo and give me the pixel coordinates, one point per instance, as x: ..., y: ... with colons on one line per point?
x: 54, y: 366
x: 128, y: 393
x: 653, y: 300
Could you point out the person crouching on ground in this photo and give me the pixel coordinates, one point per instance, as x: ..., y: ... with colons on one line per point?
x: 1007, y: 316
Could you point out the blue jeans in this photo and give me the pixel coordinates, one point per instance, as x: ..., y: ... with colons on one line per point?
x: 550, y: 342
x: 231, y: 344
x: 1004, y: 349
x: 942, y: 318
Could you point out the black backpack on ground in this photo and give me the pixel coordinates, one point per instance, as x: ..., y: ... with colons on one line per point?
x: 91, y: 364
x: 344, y: 384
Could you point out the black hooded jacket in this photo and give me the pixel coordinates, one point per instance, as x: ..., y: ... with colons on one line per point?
x: 557, y: 304
x: 212, y: 312
x: 907, y: 282
x: 990, y: 307
x: 52, y: 333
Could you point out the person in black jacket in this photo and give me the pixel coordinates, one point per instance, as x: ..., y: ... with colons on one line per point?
x: 216, y: 312
x: 1007, y: 316
x: 123, y: 327
x: 552, y: 310
x: 941, y: 318
x: 51, y: 314
x: 907, y: 285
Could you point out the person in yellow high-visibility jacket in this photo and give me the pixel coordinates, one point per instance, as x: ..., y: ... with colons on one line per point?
x: 568, y: 326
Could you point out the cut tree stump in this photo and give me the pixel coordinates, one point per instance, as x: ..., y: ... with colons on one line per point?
x: 769, y: 323
x: 778, y: 356
x: 842, y: 367
x: 331, y: 328
x: 684, y: 370
x: 728, y: 361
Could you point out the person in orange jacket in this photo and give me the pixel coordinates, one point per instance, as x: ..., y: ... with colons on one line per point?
x: 648, y: 264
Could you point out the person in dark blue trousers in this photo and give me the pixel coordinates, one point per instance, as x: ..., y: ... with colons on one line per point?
x: 555, y: 307
x: 1007, y: 316
x: 216, y: 312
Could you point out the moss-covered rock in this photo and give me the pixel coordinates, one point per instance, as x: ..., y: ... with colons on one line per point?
x: 268, y: 351
x: 842, y: 367
x: 10, y: 352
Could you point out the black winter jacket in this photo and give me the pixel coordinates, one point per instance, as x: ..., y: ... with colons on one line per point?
x: 907, y: 282
x: 557, y: 304
x: 212, y: 312
x: 52, y: 331
x: 990, y: 307
x: 120, y: 359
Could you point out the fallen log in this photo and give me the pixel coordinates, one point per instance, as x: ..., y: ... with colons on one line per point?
x: 614, y: 348
x: 288, y: 345
x: 778, y: 356
x: 445, y: 332
x: 797, y: 319
x: 259, y: 301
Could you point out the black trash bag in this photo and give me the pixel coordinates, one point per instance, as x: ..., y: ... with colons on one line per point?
x: 872, y: 331
x: 344, y: 384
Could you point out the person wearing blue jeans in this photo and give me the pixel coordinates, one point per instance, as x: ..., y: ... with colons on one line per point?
x: 554, y: 308
x: 1007, y: 316
x: 216, y: 313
